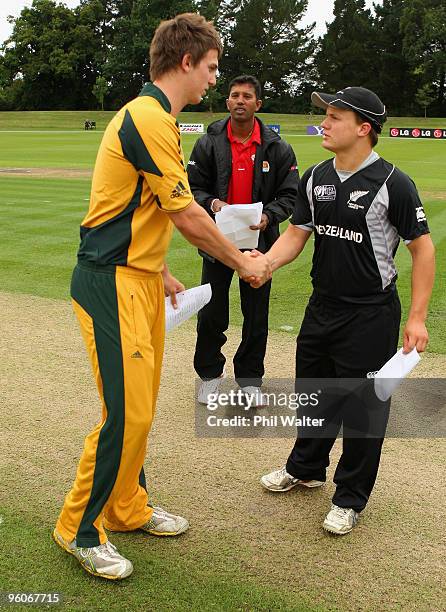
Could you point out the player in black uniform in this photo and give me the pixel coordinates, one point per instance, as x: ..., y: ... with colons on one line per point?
x: 358, y: 206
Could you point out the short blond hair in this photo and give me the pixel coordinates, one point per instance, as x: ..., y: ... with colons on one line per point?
x: 173, y: 39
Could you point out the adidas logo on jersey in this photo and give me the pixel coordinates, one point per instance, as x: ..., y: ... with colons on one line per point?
x: 179, y: 190
x: 137, y: 355
x: 354, y: 196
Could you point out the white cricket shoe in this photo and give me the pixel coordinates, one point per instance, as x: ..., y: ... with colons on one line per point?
x: 164, y: 523
x: 103, y: 560
x: 209, y: 388
x: 340, y: 520
x: 280, y: 481
x: 256, y: 397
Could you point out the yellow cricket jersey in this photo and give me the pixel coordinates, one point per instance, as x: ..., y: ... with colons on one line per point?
x: 139, y: 176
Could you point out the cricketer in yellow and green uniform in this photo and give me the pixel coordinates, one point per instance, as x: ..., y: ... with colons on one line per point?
x: 118, y: 296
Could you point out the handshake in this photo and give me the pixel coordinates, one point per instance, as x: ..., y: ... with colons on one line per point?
x: 256, y: 268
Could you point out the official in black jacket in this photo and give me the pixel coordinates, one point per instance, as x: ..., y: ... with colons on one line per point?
x: 239, y: 161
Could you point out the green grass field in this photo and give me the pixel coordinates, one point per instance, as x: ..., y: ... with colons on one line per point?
x: 39, y: 235
x: 40, y: 243
x: 209, y: 587
x: 74, y: 120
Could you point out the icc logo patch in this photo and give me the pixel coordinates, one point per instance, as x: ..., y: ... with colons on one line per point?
x: 325, y: 193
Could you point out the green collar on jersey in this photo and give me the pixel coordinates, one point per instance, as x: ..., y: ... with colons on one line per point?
x: 153, y: 91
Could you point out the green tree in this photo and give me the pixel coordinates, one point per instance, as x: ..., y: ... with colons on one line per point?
x: 425, y: 96
x: 10, y: 90
x: 92, y: 33
x: 39, y: 52
x: 134, y: 24
x: 211, y: 9
x: 100, y: 90
x: 394, y: 79
x: 213, y: 100
x: 347, y: 54
x: 56, y: 54
x: 423, y: 25
x: 50, y: 57
x: 264, y: 38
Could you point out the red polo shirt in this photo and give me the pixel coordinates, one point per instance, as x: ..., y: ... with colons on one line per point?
x: 243, y: 155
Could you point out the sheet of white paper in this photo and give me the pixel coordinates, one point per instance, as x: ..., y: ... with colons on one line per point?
x: 390, y: 376
x: 233, y: 220
x: 189, y: 302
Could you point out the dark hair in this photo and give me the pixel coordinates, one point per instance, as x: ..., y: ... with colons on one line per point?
x: 173, y: 39
x: 373, y: 137
x: 373, y: 133
x: 250, y: 80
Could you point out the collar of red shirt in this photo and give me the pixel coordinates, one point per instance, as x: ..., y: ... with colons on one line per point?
x: 255, y: 136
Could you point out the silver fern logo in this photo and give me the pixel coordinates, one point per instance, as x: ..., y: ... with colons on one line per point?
x: 354, y: 197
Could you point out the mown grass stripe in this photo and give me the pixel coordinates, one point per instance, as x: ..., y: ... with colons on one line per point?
x: 47, y: 211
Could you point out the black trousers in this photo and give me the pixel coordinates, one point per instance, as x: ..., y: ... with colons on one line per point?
x: 213, y: 321
x: 343, y: 342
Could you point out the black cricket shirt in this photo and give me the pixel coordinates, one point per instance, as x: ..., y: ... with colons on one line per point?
x: 357, y: 225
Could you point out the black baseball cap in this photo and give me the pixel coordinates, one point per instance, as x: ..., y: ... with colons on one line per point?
x: 358, y: 99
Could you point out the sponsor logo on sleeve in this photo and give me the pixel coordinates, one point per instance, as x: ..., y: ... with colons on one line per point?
x: 179, y: 190
x: 325, y: 193
x: 421, y: 215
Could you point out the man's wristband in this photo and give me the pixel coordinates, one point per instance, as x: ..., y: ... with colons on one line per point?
x: 212, y: 205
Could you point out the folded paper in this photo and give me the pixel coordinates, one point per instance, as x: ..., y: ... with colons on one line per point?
x: 233, y: 220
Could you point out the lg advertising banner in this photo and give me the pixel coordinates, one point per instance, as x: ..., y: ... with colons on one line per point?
x: 438, y: 133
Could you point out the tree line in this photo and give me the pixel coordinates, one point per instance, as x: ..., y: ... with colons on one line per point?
x: 96, y: 54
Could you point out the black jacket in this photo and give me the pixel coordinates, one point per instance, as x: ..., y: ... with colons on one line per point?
x: 209, y: 171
